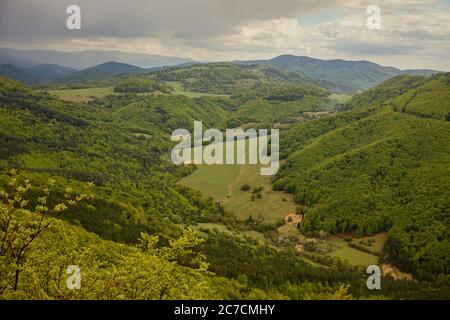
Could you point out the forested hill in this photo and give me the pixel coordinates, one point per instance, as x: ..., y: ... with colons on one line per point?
x: 387, y: 90
x: 337, y: 75
x: 127, y: 160
x: 36, y: 75
x: 380, y: 167
x: 54, y: 153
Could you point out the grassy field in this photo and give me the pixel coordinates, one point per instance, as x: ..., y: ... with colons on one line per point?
x: 340, y: 98
x: 224, y: 182
x: 354, y: 256
x: 223, y: 229
x: 84, y: 95
x: 374, y: 243
x: 178, y: 86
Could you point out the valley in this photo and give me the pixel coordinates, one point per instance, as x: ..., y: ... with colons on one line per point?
x: 242, y: 191
x: 363, y: 180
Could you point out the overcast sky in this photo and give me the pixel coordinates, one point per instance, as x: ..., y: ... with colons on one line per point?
x: 414, y: 33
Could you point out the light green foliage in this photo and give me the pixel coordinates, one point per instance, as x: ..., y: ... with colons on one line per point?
x: 179, y: 89
x: 37, y: 248
x: 229, y: 78
x: 263, y: 113
x: 170, y: 112
x: 21, y: 227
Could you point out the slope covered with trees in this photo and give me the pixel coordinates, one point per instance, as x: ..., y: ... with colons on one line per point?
x: 36, y: 250
x: 382, y: 167
x: 44, y: 137
x: 387, y: 90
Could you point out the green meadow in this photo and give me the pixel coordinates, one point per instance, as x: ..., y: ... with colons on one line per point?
x: 179, y: 89
x: 363, y: 251
x: 355, y: 257
x: 86, y: 94
x: 224, y: 183
x: 82, y: 95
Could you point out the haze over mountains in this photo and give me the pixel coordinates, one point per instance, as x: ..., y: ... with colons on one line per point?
x: 37, y: 74
x: 84, y: 59
x: 337, y: 75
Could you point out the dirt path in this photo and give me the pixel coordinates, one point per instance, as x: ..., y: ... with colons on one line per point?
x: 294, y: 217
x: 395, y: 273
x: 231, y: 186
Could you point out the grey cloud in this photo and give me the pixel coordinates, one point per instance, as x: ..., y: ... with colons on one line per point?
x: 26, y: 20
x: 219, y: 29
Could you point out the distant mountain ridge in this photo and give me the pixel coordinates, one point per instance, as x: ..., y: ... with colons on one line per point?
x: 104, y: 70
x: 337, y: 75
x: 52, y: 71
x: 37, y: 74
x: 53, y: 74
x: 84, y: 59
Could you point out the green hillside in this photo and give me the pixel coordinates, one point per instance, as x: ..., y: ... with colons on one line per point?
x: 75, y: 143
x: 253, y: 94
x: 387, y: 90
x: 379, y: 168
x: 420, y: 96
x: 140, y: 85
x: 228, y: 78
x: 109, y: 270
x: 103, y: 71
x: 264, y: 113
